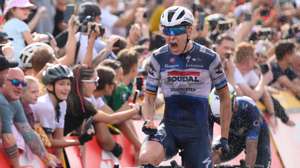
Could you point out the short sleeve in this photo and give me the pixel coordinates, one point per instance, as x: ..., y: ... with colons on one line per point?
x: 217, y: 74
x: 152, y: 81
x: 6, y: 115
x: 22, y: 26
x: 255, y: 123
x: 99, y: 103
x: 238, y: 77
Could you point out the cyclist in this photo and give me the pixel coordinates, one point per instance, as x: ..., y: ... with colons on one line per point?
x: 185, y: 72
x: 248, y: 131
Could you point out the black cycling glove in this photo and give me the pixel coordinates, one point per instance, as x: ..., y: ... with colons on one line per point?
x: 148, y: 131
x: 223, y: 145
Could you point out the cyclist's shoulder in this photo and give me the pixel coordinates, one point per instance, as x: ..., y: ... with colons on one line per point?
x: 201, y: 50
x: 163, y: 50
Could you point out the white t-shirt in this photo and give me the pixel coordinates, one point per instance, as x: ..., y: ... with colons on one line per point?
x: 238, y: 77
x: 97, y: 102
x: 44, y: 112
x: 251, y: 78
x: 99, y: 45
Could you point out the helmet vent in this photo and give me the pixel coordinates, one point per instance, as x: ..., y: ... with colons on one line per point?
x: 171, y: 14
x: 181, y: 14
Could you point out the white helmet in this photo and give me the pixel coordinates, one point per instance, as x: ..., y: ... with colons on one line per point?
x: 28, y: 51
x: 214, y: 100
x: 176, y: 16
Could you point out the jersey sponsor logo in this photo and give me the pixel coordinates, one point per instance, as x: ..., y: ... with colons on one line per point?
x: 171, y: 66
x: 183, y: 89
x: 219, y: 68
x: 183, y: 76
x: 151, y: 70
x: 207, y: 162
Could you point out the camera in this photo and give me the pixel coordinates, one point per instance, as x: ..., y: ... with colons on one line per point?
x: 265, y: 33
x: 224, y: 25
x: 83, y: 27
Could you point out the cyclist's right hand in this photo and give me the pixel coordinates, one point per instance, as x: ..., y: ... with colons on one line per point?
x: 222, y: 145
x: 149, y: 127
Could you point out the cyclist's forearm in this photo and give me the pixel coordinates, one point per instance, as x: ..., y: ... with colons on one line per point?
x: 149, y: 107
x: 251, y: 152
x: 225, y: 106
x: 11, y: 149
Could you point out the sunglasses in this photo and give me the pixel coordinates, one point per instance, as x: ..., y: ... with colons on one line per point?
x: 17, y: 82
x: 91, y: 81
x: 174, y: 31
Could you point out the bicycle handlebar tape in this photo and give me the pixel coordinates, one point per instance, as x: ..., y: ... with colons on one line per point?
x: 148, y: 131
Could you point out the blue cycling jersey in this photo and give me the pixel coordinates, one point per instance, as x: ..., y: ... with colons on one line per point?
x: 248, y: 124
x: 246, y: 119
x: 185, y: 80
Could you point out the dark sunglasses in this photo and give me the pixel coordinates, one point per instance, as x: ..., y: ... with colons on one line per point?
x: 174, y: 31
x: 17, y: 82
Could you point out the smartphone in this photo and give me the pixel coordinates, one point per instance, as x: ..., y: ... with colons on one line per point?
x: 139, y: 83
x: 135, y: 95
x: 264, y: 68
x: 70, y: 9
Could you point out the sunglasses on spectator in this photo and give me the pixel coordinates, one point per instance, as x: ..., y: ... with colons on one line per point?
x: 17, y: 82
x: 174, y: 31
x: 91, y: 81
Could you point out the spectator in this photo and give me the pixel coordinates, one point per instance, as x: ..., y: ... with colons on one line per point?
x: 59, y: 22
x: 11, y: 111
x: 15, y: 13
x: 225, y: 46
x: 30, y: 96
x: 50, y: 108
x: 129, y: 62
x: 82, y: 104
x: 247, y: 80
x: 6, y: 48
x: 282, y: 73
x: 88, y: 12
x: 47, y: 23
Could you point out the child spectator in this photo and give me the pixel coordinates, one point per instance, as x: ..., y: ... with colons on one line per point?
x: 15, y: 13
x: 30, y: 96
x: 51, y: 107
